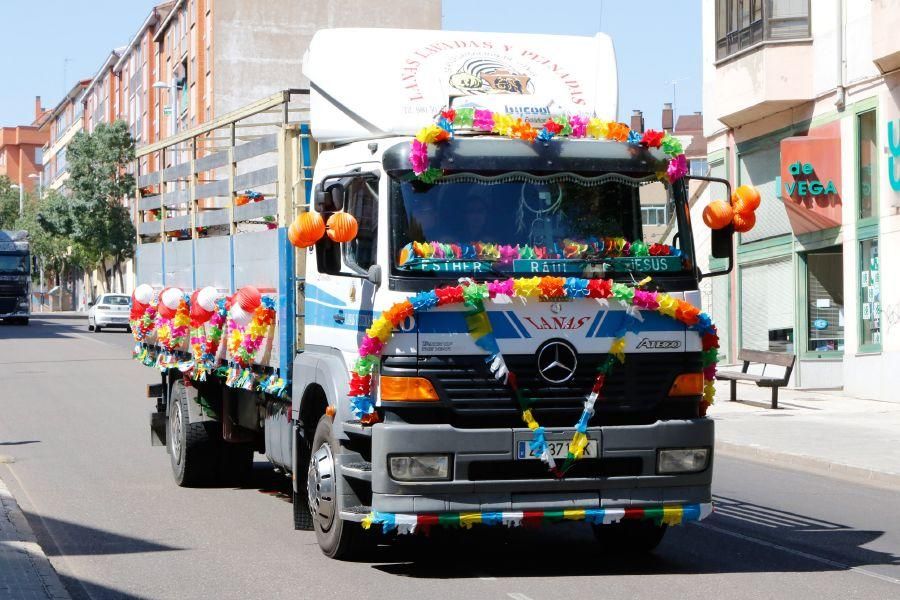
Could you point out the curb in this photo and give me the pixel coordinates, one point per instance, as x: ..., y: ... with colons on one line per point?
x: 24, y: 541
x: 809, y: 464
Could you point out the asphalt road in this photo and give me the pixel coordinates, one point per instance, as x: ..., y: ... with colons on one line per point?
x: 75, y: 441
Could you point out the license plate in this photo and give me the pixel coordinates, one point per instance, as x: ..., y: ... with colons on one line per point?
x: 558, y: 449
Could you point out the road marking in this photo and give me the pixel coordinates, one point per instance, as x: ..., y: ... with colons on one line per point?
x: 518, y: 596
x: 800, y: 553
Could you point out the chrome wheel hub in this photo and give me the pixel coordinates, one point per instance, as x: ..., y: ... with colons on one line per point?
x: 175, y: 428
x: 320, y: 486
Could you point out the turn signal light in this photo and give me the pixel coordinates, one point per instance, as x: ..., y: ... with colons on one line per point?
x: 407, y: 389
x: 687, y: 384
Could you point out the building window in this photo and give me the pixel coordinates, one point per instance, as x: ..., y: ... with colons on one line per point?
x: 2, y: 157
x: 744, y: 23
x: 866, y: 164
x: 699, y: 167
x: 869, y: 295
x: 767, y: 319
x: 653, y: 215
x: 825, y: 300
x: 38, y: 156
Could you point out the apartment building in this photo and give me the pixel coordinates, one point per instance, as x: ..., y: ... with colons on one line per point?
x: 21, y: 150
x: 802, y: 100
x: 64, y: 121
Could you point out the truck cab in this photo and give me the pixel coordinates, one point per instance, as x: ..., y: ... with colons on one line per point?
x: 15, y: 277
x: 447, y: 435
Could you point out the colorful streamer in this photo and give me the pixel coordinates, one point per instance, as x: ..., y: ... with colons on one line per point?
x: 665, y: 514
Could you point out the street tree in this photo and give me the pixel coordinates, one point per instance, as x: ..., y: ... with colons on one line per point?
x: 9, y: 203
x: 98, y: 221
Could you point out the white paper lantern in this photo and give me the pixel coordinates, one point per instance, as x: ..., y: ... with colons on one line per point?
x: 240, y: 316
x: 172, y: 297
x: 143, y: 294
x: 207, y: 297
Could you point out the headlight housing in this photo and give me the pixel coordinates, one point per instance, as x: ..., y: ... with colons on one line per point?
x: 420, y: 467
x: 682, y: 460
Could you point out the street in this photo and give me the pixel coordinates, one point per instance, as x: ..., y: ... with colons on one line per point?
x: 76, y: 453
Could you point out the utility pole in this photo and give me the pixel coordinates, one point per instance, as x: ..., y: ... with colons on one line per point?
x: 66, y: 62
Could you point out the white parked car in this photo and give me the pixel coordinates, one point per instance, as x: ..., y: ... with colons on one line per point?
x: 110, y: 310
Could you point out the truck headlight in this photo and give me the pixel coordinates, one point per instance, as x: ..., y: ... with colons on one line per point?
x: 23, y: 305
x: 420, y: 467
x: 682, y: 460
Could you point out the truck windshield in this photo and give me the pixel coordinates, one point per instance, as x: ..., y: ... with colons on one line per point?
x: 13, y: 264
x: 518, y: 223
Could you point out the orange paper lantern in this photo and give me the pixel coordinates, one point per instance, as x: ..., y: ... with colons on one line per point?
x: 717, y: 214
x: 745, y: 199
x: 308, y: 228
x: 342, y: 227
x: 744, y: 222
x: 241, y: 200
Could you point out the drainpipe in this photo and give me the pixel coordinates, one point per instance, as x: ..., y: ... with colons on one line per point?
x: 840, y: 91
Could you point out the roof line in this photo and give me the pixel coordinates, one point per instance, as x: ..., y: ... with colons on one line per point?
x: 169, y: 17
x: 151, y: 18
x: 115, y: 53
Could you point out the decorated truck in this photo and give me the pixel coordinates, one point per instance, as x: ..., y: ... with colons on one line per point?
x: 445, y: 288
x: 15, y: 277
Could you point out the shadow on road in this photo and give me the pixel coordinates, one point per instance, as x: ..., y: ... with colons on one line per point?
x: 740, y: 538
x: 22, y: 443
x: 74, y: 539
x: 86, y: 590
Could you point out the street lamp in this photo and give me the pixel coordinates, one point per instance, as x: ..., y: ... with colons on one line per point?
x: 40, y: 182
x: 21, y: 189
x: 173, y: 101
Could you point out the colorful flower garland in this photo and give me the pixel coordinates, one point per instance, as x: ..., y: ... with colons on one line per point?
x: 245, y: 342
x: 171, y: 334
x: 362, y: 393
x: 611, y: 247
x: 570, y: 126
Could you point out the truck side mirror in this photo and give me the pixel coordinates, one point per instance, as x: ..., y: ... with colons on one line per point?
x: 330, y: 199
x: 721, y: 242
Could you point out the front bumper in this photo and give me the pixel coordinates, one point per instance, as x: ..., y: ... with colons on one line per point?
x: 472, y: 449
x: 15, y: 315
x: 111, y: 320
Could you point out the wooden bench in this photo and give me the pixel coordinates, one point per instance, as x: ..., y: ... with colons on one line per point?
x: 762, y: 380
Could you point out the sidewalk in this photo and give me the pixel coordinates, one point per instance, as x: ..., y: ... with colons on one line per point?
x: 826, y: 432
x: 25, y: 571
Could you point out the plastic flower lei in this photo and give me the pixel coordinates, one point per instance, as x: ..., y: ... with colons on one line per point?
x: 171, y: 334
x: 569, y: 126
x: 205, y: 341
x: 634, y: 299
x: 245, y: 342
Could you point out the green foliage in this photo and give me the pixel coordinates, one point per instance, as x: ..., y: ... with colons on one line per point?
x: 9, y: 203
x: 53, y: 248
x: 94, y: 218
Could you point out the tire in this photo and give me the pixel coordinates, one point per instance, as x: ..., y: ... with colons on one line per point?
x: 194, y: 448
x: 90, y: 327
x: 337, y: 538
x: 631, y: 537
x: 24, y: 321
x: 97, y: 329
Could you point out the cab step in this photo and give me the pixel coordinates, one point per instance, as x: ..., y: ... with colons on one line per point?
x: 358, y: 470
x: 356, y: 513
x: 356, y: 428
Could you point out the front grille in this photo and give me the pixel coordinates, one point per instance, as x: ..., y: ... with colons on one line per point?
x: 8, y: 305
x: 631, y: 395
x: 586, y: 468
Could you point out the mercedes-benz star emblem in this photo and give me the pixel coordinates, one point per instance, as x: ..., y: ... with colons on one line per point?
x: 557, y: 361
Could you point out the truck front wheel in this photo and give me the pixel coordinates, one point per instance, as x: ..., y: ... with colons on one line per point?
x: 337, y: 538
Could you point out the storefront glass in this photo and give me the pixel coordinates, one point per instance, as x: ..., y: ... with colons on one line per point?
x: 866, y: 166
x: 825, y: 300
x: 869, y: 295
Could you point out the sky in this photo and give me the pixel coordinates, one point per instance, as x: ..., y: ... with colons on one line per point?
x: 54, y: 43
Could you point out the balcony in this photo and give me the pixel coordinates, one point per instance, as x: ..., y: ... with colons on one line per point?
x: 885, y: 42
x: 763, y: 80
